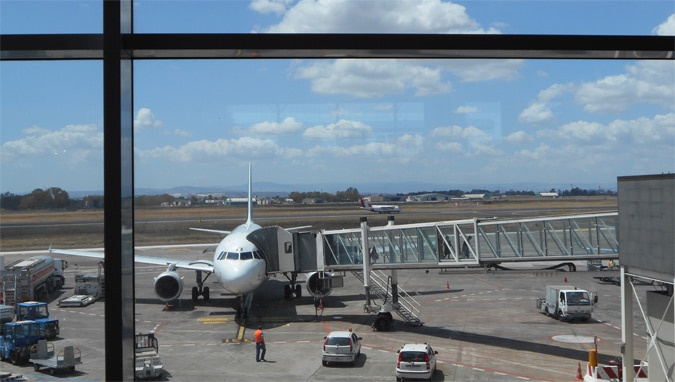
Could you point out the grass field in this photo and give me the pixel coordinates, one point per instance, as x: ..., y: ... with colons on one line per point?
x: 37, y: 230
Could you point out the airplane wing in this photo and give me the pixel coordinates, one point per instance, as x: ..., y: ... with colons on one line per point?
x: 194, y: 265
x: 212, y: 231
x: 229, y: 232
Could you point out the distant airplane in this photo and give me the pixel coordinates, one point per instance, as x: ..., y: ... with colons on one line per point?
x: 379, y: 208
x: 238, y: 264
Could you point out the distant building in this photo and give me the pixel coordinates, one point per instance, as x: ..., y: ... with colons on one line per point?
x: 177, y: 203
x: 431, y: 197
x: 238, y: 201
x: 475, y: 196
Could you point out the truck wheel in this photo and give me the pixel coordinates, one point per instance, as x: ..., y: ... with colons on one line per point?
x: 14, y: 358
x: 36, y: 367
x: 561, y: 317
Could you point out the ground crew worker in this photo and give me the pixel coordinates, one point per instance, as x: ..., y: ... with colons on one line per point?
x: 260, y: 349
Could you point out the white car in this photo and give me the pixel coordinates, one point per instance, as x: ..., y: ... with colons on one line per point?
x: 341, y: 346
x: 416, y: 361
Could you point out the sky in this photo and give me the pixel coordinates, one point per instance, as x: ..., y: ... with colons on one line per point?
x: 332, y: 124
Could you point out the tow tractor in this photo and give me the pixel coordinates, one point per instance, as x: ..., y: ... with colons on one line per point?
x: 42, y: 354
x: 16, y: 340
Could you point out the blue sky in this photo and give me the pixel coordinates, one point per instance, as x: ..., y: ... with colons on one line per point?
x: 336, y: 124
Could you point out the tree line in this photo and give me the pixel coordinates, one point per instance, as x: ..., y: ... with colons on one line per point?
x: 56, y: 198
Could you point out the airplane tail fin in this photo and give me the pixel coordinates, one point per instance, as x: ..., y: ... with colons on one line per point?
x: 250, y: 197
x: 365, y: 203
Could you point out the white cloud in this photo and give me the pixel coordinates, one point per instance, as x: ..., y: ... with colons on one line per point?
x: 466, y: 110
x: 645, y: 82
x: 402, y: 16
x: 667, y: 28
x: 372, y: 78
x: 453, y: 148
x: 458, y: 132
x: 287, y: 126
x: 73, y: 143
x: 209, y: 150
x: 519, y: 138
x: 483, y: 70
x: 539, y: 111
x: 145, y: 118
x: 618, y: 134
x: 339, y: 130
x: 270, y: 6
x: 536, y: 113
x: 402, y: 149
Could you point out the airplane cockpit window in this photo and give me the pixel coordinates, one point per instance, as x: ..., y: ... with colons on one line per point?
x: 233, y: 256
x: 246, y: 256
x: 221, y: 255
x: 257, y: 255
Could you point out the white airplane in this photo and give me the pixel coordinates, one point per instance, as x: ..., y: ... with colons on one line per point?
x: 238, y: 264
x: 379, y: 208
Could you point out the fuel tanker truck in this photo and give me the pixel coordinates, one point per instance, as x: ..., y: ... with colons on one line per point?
x: 31, y: 279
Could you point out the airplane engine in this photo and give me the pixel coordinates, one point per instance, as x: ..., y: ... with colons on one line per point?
x: 168, y: 285
x: 319, y: 283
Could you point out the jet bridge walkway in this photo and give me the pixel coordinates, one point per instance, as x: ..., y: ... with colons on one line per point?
x: 470, y: 242
x: 459, y: 244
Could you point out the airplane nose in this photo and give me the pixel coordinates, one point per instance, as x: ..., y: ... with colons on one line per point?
x: 242, y: 276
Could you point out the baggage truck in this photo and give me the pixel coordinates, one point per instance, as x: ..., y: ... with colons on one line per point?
x: 31, y: 279
x: 567, y: 303
x: 148, y: 363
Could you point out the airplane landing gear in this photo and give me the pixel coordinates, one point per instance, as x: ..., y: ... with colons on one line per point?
x: 244, y: 306
x: 200, y: 289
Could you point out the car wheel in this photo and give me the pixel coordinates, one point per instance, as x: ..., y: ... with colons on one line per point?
x: 325, y: 363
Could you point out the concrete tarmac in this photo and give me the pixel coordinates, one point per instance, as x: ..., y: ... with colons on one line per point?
x: 484, y: 325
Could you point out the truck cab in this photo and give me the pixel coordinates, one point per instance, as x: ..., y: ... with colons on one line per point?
x: 38, y: 312
x: 567, y: 303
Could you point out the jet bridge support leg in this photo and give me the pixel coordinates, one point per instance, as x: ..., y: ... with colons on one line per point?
x: 293, y: 287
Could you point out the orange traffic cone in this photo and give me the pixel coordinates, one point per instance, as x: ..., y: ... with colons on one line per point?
x: 565, y: 279
x: 447, y: 285
x: 579, y: 376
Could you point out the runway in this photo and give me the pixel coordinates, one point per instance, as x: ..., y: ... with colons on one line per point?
x: 485, y: 326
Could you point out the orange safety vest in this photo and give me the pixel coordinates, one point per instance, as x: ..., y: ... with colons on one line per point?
x: 259, y: 336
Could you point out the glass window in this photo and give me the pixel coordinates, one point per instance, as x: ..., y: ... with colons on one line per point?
x: 51, y: 16
x: 401, y: 16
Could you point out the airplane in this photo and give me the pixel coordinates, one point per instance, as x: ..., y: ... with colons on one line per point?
x: 238, y: 265
x: 379, y: 208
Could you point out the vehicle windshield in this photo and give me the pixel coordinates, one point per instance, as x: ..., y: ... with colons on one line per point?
x: 578, y: 298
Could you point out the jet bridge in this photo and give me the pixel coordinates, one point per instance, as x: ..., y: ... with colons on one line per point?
x: 368, y: 251
x: 470, y: 242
